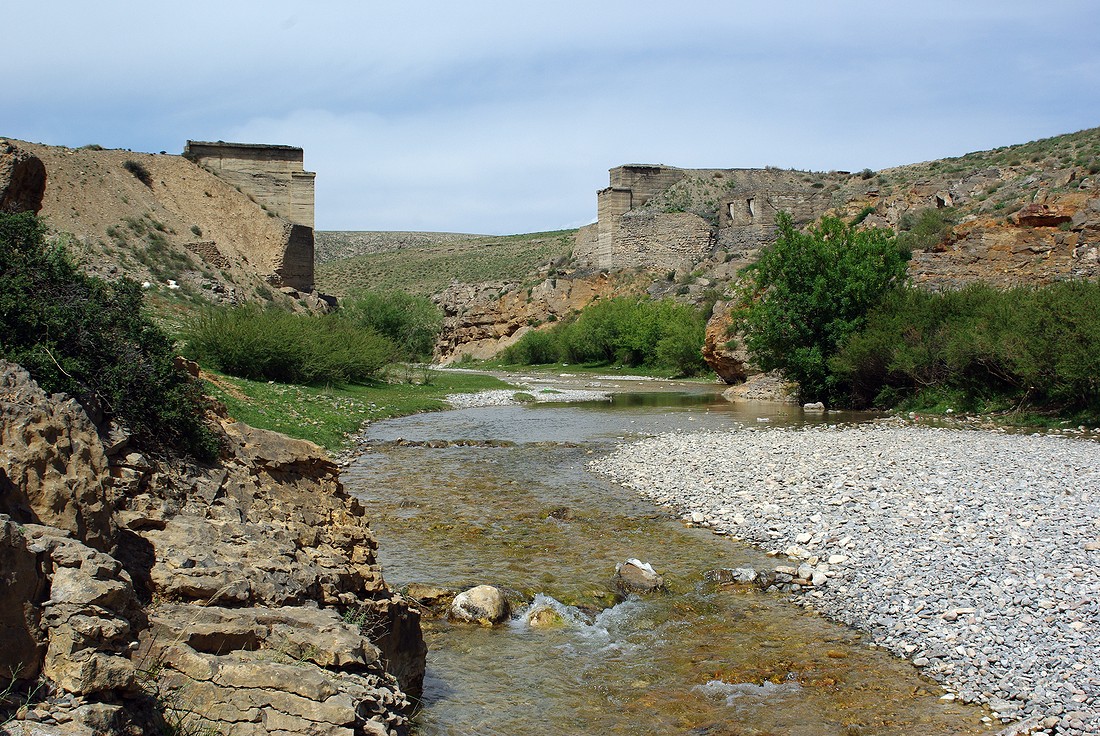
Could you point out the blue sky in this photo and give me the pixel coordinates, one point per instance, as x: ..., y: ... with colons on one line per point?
x: 503, y: 117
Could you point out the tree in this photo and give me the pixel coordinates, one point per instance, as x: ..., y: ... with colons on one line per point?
x: 810, y: 291
x: 412, y: 322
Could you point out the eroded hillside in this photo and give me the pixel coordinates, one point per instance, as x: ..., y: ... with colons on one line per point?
x: 166, y: 221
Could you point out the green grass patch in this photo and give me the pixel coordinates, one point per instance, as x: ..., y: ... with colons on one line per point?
x: 331, y: 416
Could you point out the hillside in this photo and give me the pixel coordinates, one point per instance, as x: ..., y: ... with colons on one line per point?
x: 161, y: 219
x: 427, y: 263
x: 990, y: 184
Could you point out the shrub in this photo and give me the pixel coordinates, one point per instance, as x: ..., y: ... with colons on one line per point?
x: 810, y: 291
x: 275, y: 345
x: 139, y: 171
x: 926, y: 229
x: 631, y: 331
x: 80, y: 335
x: 412, y: 322
x: 982, y: 346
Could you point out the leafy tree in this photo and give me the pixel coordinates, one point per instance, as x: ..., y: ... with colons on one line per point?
x: 810, y: 291
x: 412, y: 322
x: 83, y: 336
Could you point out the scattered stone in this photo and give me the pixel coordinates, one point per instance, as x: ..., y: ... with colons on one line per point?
x: 635, y: 576
x: 483, y: 604
x: 969, y: 552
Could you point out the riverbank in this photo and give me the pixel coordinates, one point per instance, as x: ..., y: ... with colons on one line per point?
x: 333, y: 417
x: 973, y: 554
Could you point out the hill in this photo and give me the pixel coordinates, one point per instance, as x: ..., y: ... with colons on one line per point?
x: 161, y: 219
x: 427, y: 263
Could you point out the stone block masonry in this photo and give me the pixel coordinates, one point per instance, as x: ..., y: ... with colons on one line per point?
x: 632, y: 231
x: 272, y: 175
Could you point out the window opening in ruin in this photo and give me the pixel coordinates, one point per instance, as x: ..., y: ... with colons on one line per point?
x: 751, y: 202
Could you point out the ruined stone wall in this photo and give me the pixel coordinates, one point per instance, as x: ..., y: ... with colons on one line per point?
x: 644, y: 180
x: 671, y: 240
x: 759, y: 206
x: 631, y: 234
x: 272, y: 175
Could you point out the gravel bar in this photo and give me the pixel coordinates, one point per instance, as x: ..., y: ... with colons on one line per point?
x: 976, y: 555
x: 507, y: 397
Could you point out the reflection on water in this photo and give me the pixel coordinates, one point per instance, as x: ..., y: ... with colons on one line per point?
x: 530, y: 518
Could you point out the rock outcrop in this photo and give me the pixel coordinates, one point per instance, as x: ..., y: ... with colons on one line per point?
x: 244, y: 596
x: 480, y: 320
x: 721, y: 351
x: 22, y: 180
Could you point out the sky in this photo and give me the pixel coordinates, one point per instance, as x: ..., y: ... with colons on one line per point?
x: 504, y: 117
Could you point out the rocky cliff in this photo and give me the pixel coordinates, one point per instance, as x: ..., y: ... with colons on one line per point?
x: 150, y: 595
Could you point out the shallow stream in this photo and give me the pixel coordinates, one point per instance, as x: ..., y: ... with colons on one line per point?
x: 528, y: 517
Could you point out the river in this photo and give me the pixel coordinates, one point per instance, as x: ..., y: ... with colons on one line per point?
x: 523, y: 513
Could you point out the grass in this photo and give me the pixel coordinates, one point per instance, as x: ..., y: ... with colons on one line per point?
x: 426, y: 270
x: 330, y: 416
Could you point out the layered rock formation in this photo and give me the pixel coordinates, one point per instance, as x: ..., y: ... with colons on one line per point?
x: 243, y: 596
x: 480, y: 320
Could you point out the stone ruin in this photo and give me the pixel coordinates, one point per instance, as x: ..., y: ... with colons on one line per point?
x: 636, y: 228
x: 274, y: 177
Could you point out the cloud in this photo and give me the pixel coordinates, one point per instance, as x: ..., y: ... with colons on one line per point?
x: 504, y: 117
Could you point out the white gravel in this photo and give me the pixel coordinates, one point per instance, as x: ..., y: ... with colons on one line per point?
x: 504, y: 397
x: 974, y: 554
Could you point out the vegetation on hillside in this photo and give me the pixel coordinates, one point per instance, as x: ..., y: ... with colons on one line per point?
x: 83, y: 336
x: 424, y: 271
x: 274, y: 345
x: 809, y: 291
x: 628, y: 331
x: 830, y: 307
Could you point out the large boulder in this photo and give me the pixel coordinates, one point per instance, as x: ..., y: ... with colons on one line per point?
x: 483, y: 604
x: 720, y: 350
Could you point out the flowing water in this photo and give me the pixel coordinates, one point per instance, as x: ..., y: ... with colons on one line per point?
x: 524, y: 514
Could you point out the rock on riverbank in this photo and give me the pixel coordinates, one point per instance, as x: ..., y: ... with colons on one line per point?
x: 974, y: 554
x: 143, y: 595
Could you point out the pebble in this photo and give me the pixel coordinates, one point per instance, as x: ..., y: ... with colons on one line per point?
x: 972, y: 553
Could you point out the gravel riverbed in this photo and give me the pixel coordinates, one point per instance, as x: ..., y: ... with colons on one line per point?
x: 974, y: 554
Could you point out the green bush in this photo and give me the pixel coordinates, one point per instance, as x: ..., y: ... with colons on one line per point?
x: 630, y: 331
x: 981, y: 347
x: 810, y: 291
x: 139, y: 171
x: 275, y: 345
x: 413, y: 323
x: 926, y: 229
x: 80, y: 335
